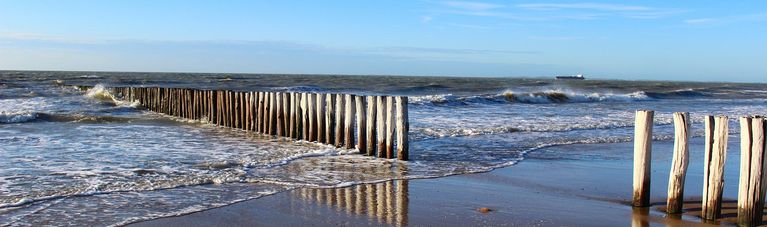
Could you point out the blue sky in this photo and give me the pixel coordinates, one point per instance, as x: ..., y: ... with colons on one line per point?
x: 649, y: 40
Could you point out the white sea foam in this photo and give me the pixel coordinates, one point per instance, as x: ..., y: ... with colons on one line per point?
x: 16, y: 117
x: 99, y: 92
x: 532, y: 97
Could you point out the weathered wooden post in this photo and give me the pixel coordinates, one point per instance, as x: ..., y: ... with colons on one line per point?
x: 381, y: 125
x: 389, y: 127
x: 679, y: 163
x: 285, y: 113
x: 714, y: 168
x: 229, y: 107
x: 744, y: 217
x: 311, y: 116
x: 254, y: 127
x: 292, y: 130
x: 330, y: 118
x: 370, y: 135
x: 305, y: 116
x: 753, y: 180
x: 219, y: 103
x: 361, y: 124
x: 259, y: 112
x: 299, y: 117
x: 272, y: 113
x: 237, y: 108
x: 642, y: 157
x: 349, y: 122
x: 403, y: 128
x: 320, y: 109
x: 339, y: 120
x: 279, y: 114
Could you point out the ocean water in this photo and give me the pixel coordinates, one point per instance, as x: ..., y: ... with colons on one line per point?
x: 80, y: 157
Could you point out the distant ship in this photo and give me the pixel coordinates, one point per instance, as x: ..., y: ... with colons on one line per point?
x: 576, y: 77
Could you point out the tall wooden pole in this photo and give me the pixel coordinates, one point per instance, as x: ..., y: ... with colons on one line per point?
x: 679, y: 163
x: 642, y: 157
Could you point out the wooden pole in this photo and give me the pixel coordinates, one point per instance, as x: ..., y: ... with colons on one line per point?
x: 403, y: 128
x: 389, y: 127
x: 714, y: 168
x: 349, y: 122
x: 219, y: 103
x: 237, y: 108
x: 679, y: 163
x: 753, y: 180
x: 251, y: 110
x: 299, y: 118
x: 279, y: 115
x: 311, y: 116
x: 305, y: 116
x: 292, y: 120
x: 642, y: 157
x: 262, y: 112
x: 381, y: 125
x: 330, y: 117
x: 272, y: 113
x: 245, y: 112
x: 230, y: 109
x: 339, y: 120
x: 371, y: 126
x: 211, y: 106
x: 285, y: 113
x: 321, y: 121
x: 361, y: 124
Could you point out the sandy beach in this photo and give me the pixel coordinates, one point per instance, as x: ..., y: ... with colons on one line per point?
x: 556, y: 186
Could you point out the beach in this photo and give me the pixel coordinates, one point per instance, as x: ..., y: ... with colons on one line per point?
x: 530, y: 150
x: 569, y: 185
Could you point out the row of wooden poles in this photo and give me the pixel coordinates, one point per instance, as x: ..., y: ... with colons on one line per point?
x: 751, y: 185
x: 388, y: 202
x: 322, y: 118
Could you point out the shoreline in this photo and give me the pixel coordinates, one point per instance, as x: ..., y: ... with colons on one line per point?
x: 544, y: 189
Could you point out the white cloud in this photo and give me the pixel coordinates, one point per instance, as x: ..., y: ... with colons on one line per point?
x: 728, y: 19
x: 587, y: 6
x: 473, y: 6
x: 553, y: 11
x: 700, y: 20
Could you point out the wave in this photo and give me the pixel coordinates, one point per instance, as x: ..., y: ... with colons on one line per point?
x: 680, y: 93
x: 24, y: 117
x: 16, y: 117
x: 101, y: 93
x: 90, y: 77
x: 535, y: 97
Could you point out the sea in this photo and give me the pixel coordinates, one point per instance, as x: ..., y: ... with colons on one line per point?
x: 71, y: 156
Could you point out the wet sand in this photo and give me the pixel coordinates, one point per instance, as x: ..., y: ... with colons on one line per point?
x: 572, y: 185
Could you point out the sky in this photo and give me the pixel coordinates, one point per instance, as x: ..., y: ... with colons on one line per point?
x: 629, y: 40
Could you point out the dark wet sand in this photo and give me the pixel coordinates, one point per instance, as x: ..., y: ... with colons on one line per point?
x: 559, y: 186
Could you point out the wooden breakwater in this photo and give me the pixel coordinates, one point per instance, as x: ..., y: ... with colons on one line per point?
x: 752, y: 183
x: 375, y: 125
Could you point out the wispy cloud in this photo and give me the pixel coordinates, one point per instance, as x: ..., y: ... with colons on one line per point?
x: 553, y: 38
x: 628, y: 11
x: 588, y: 6
x: 701, y: 20
x: 447, y: 54
x: 553, y: 11
x: 473, y: 6
x: 449, y: 50
x: 470, y: 26
x: 728, y: 19
x: 426, y: 19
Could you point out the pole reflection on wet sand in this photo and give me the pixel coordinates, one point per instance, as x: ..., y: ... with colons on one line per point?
x: 385, y: 202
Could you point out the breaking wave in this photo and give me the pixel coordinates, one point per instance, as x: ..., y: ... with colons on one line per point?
x: 101, y: 93
x: 16, y: 117
x: 535, y: 97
